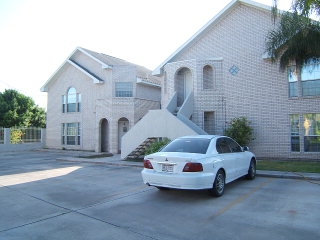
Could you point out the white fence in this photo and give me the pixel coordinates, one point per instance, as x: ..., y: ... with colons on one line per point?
x: 21, y: 138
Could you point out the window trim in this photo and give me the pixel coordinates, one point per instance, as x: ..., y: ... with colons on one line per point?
x: 208, y: 77
x: 65, y: 134
x: 124, y: 91
x: 66, y: 101
x: 308, y: 85
x: 306, y: 141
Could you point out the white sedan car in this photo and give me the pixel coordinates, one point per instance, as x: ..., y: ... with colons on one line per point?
x: 199, y: 162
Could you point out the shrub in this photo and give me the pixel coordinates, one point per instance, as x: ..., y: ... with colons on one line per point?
x: 16, y: 136
x: 156, y: 146
x: 240, y: 130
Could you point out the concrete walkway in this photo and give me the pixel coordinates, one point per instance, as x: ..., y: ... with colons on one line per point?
x: 117, y: 161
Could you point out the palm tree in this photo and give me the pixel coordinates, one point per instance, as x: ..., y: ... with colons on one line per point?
x: 306, y: 7
x: 303, y: 7
x: 296, y: 38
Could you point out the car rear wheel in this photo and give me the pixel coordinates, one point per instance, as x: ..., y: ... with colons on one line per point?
x: 217, y: 189
x: 252, y: 170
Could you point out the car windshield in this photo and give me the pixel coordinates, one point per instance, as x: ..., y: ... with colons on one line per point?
x: 188, y: 145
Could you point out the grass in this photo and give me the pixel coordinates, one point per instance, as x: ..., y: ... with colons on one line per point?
x: 289, y: 166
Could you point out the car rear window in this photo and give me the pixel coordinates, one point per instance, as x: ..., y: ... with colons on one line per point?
x: 188, y: 145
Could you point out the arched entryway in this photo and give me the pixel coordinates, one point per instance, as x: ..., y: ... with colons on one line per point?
x: 104, y: 135
x: 183, y: 85
x: 123, y: 128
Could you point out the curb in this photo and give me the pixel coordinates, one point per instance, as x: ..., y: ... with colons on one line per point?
x: 289, y: 175
x: 115, y: 163
x: 260, y: 173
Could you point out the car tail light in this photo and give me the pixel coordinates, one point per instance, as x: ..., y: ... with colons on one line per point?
x: 147, y: 164
x: 193, y: 167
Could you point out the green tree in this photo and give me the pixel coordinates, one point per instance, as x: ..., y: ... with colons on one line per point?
x: 240, y: 130
x: 17, y: 109
x: 307, y: 7
x: 296, y: 38
x: 303, y: 7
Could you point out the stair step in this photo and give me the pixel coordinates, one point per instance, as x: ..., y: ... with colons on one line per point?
x: 139, y: 152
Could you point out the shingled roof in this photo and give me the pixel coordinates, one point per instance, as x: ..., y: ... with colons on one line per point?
x: 144, y: 75
x: 142, y: 72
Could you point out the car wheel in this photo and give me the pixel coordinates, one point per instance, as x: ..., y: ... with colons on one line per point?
x: 218, y: 184
x: 252, y: 170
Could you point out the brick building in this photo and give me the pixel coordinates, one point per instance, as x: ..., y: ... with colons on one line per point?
x: 94, y: 99
x: 221, y: 73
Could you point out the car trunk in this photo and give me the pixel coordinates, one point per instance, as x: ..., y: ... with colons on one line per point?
x: 172, y: 162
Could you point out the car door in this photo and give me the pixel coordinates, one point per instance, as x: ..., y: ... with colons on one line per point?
x: 239, y: 157
x: 226, y: 155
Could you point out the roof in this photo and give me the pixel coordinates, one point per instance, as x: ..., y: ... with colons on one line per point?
x: 233, y: 4
x: 144, y: 75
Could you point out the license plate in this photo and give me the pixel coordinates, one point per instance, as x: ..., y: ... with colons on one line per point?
x: 167, y: 168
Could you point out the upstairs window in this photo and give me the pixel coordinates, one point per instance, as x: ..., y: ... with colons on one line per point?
x: 64, y: 103
x: 72, y: 101
x: 124, y: 89
x: 293, y: 82
x: 207, y: 75
x: 310, y: 77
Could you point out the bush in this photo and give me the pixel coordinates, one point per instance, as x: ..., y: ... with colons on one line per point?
x: 156, y: 146
x: 16, y: 136
x: 240, y: 130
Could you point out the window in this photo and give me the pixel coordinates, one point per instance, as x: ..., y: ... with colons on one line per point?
x: 311, y: 126
x: 222, y: 146
x: 310, y: 77
x: 72, y: 101
x: 207, y: 76
x: 124, y: 89
x: 64, y: 103
x: 295, y: 132
x: 293, y: 82
x: 70, y: 134
x: 234, y: 146
x: 227, y: 145
x: 63, y: 134
x: 188, y: 145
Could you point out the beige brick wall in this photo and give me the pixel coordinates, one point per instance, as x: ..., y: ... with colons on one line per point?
x: 98, y: 102
x: 259, y: 91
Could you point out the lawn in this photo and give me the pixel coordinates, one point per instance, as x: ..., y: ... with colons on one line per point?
x: 289, y: 166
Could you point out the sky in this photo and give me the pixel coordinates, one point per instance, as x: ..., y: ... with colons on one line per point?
x: 37, y: 36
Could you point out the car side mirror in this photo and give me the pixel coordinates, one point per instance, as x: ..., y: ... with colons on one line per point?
x: 245, y: 148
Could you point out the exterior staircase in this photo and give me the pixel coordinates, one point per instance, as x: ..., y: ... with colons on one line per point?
x: 139, y: 152
x: 171, y: 122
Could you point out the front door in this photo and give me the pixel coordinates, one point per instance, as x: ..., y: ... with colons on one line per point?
x: 123, y: 128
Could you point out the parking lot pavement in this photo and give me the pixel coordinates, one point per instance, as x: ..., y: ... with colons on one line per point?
x: 42, y: 198
x: 116, y: 160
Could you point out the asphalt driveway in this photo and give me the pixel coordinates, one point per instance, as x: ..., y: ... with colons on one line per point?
x: 45, y: 198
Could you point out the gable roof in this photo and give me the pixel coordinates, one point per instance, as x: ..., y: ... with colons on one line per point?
x: 144, y: 75
x: 233, y: 4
